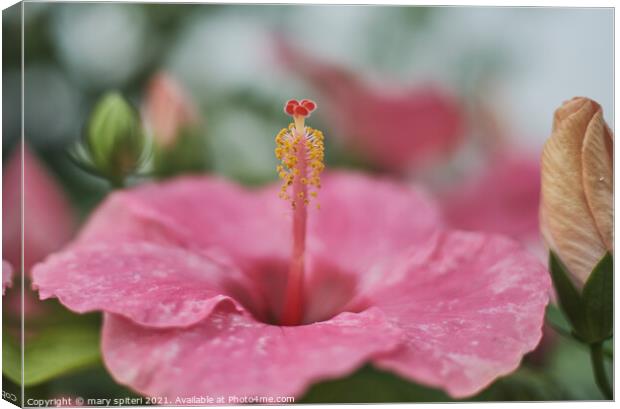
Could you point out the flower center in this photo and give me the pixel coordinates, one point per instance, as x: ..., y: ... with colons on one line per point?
x: 300, y: 150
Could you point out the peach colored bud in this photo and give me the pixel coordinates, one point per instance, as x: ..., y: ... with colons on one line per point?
x: 167, y: 109
x: 576, y: 212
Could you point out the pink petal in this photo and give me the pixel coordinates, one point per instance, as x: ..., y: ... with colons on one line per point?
x: 364, y: 223
x: 503, y: 198
x: 255, y: 226
x: 48, y: 218
x: 196, y: 213
x: 231, y: 354
x: 471, y: 306
x: 167, y: 109
x: 7, y: 276
x: 151, y: 284
x: 254, y: 229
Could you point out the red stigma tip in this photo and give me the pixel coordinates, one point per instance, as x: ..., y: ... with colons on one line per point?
x: 301, y: 111
x: 289, y: 109
x: 308, y: 104
x: 296, y: 108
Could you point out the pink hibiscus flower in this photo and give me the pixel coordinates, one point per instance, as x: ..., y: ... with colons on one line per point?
x: 399, y: 130
x: 206, y: 291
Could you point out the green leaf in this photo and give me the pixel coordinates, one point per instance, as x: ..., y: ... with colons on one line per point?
x: 525, y: 384
x: 11, y: 358
x: 93, y: 382
x: 569, y: 365
x: 56, y: 344
x: 569, y: 298
x: 608, y: 348
x: 557, y: 320
x: 598, y: 299
x: 59, y: 350
x: 370, y: 385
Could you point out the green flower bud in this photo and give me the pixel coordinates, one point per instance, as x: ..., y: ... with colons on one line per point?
x: 115, y: 142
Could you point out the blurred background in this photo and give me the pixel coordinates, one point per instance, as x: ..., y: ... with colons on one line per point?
x: 460, y: 99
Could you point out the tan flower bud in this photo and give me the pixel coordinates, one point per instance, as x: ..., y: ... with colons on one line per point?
x: 576, y: 212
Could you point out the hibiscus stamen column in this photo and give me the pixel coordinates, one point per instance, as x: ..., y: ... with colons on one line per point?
x: 300, y: 149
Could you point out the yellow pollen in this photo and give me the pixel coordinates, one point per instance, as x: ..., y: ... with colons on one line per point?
x: 286, y: 151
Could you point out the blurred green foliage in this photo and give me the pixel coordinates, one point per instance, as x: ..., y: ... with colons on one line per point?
x: 57, y: 341
x: 565, y: 375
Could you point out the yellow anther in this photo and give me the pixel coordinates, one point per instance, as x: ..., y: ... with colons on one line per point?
x: 291, y: 143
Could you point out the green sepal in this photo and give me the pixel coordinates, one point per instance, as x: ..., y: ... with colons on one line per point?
x: 590, y: 312
x: 557, y: 320
x: 569, y: 298
x: 598, y: 300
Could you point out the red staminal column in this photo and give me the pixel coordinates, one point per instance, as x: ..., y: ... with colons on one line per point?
x: 301, y: 151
